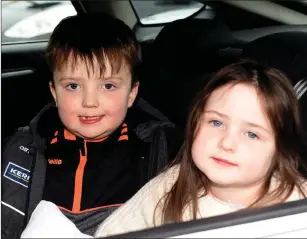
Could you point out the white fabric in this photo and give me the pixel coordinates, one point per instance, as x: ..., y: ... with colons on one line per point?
x: 138, y: 213
x: 47, y: 221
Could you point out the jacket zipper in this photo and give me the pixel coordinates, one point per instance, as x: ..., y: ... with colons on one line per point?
x: 79, y: 180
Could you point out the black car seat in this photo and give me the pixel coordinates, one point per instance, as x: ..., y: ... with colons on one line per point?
x: 181, y: 54
x: 286, y: 51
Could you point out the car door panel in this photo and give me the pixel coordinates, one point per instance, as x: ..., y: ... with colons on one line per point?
x: 24, y: 81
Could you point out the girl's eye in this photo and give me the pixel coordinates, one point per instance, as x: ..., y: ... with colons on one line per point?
x: 216, y: 123
x: 252, y: 135
x: 72, y: 86
x: 108, y: 86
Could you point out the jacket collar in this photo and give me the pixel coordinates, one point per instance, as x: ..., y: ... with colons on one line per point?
x: 43, y: 125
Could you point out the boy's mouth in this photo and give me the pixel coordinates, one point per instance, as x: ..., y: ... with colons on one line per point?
x: 90, y: 119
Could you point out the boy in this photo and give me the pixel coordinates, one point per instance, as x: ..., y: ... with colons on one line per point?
x: 86, y: 152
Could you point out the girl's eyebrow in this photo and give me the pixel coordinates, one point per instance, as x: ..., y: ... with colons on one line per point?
x: 217, y: 113
x: 257, y: 126
x: 251, y: 124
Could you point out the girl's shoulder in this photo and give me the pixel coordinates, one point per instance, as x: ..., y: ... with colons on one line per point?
x: 159, y: 185
x: 165, y: 180
x: 300, y: 192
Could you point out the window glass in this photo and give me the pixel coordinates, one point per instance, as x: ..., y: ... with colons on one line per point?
x: 163, y: 11
x: 25, y: 21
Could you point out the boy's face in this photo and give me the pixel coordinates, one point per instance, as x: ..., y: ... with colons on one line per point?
x: 92, y: 106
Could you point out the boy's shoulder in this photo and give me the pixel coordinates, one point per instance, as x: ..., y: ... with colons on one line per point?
x: 151, y: 126
x: 22, y: 137
x: 147, y: 121
x: 17, y: 160
x: 154, y: 129
x: 17, y: 147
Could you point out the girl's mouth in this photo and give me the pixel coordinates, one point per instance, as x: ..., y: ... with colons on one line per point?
x: 224, y: 162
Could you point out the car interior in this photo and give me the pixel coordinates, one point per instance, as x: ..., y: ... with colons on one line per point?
x: 217, y: 32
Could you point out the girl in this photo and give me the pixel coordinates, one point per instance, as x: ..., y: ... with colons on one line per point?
x: 243, y: 148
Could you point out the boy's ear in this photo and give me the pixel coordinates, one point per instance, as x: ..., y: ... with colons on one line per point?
x: 52, y: 90
x: 133, y: 94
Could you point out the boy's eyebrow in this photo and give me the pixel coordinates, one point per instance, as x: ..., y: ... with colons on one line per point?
x: 81, y: 78
x: 111, y: 78
x: 70, y: 78
x: 245, y: 122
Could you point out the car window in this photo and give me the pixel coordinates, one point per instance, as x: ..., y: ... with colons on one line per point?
x: 27, y: 21
x: 163, y: 11
x: 282, y: 220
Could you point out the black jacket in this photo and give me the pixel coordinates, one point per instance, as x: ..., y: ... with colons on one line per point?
x: 26, y: 173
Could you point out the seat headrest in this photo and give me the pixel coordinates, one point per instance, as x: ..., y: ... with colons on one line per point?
x: 181, y: 55
x: 194, y: 33
x: 286, y: 51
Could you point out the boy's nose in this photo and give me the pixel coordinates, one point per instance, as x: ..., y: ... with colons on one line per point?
x: 90, y: 101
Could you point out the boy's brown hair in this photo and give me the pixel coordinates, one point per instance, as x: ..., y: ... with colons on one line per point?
x: 90, y: 37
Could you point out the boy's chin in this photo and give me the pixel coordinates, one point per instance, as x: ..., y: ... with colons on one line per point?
x: 92, y: 135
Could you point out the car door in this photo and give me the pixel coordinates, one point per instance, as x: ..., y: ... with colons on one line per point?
x: 26, y: 27
x: 284, y: 220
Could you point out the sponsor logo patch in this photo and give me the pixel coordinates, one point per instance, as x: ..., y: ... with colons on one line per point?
x: 17, y: 174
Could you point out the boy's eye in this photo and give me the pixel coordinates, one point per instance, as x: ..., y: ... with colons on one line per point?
x: 108, y: 86
x: 216, y: 123
x: 252, y: 135
x: 72, y: 86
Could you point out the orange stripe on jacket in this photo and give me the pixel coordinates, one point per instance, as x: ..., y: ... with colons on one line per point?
x: 79, y: 181
x: 124, y: 130
x: 123, y: 137
x: 54, y: 140
x: 68, y: 135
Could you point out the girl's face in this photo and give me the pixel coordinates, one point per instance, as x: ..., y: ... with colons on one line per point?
x: 235, y: 144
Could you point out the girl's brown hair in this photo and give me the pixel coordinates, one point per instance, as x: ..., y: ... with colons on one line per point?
x: 282, y: 108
